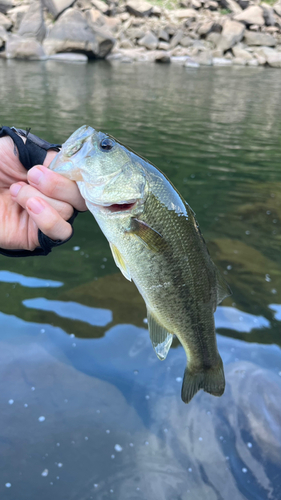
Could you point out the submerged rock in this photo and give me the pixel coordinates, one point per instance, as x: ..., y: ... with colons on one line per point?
x: 69, y: 57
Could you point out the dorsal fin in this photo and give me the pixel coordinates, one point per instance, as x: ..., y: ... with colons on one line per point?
x: 161, y: 339
x: 119, y: 261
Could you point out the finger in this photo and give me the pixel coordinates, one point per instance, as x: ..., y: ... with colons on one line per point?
x: 56, y: 186
x: 21, y: 192
x: 48, y: 219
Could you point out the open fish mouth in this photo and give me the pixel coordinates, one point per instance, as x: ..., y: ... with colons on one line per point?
x: 116, y: 207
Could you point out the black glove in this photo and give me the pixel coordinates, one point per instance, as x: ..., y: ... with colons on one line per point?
x: 33, y: 152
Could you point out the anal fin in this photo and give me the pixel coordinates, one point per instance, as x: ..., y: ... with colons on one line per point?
x: 119, y: 261
x: 161, y: 339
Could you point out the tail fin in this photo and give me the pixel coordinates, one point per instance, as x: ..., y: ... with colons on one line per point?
x: 209, y: 379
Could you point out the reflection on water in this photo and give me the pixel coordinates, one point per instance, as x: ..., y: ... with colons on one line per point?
x: 87, y: 410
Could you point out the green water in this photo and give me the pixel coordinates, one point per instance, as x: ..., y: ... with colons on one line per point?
x: 73, y: 343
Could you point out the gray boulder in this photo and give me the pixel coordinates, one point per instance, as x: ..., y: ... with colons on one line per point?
x: 16, y: 15
x: 18, y: 47
x: 272, y: 57
x: 139, y: 8
x: 231, y: 34
x: 268, y: 14
x: 231, y: 5
x: 163, y: 57
x: 204, y: 58
x: 32, y: 24
x: 71, y: 33
x: 56, y: 7
x: 176, y: 39
x: 150, y: 41
x: 5, y: 22
x: 163, y: 35
x: 3, y: 36
x: 241, y: 53
x: 100, y: 5
x: 6, y: 5
x: 277, y: 8
x: 256, y: 38
x: 251, y: 15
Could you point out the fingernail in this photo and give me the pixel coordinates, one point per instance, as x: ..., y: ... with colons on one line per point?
x: 34, y: 175
x: 35, y: 206
x: 14, y: 189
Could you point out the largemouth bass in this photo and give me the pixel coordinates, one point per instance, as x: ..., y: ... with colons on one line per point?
x: 156, y: 242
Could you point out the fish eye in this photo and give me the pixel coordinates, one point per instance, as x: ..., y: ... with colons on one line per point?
x: 106, y: 144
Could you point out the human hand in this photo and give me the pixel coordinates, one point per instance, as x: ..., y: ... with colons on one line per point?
x: 37, y: 199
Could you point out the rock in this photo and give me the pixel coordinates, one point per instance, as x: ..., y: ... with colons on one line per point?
x: 5, y: 22
x: 214, y: 38
x: 271, y: 56
x: 111, y: 23
x: 195, y: 4
x: 176, y: 39
x: 150, y: 41
x: 71, y: 33
x: 205, y: 28
x: 163, y: 46
x: 18, y: 47
x: 94, y: 16
x: 221, y: 61
x: 252, y: 15
x: 163, y: 57
x: 268, y: 14
x: 217, y: 53
x: 126, y: 44
x: 242, y: 54
x: 179, y: 59
x: 205, y: 58
x: 190, y: 63
x: 185, y: 13
x: 260, y: 58
x: 156, y: 11
x: 139, y: 8
x: 186, y: 41
x: 69, y: 57
x: 277, y: 8
x: 135, y: 33
x: 238, y: 61
x: 6, y: 5
x: 32, y: 24
x: 253, y: 63
x: 16, y: 15
x: 163, y: 35
x: 100, y: 5
x: 231, y: 34
x: 3, y: 36
x: 56, y: 7
x: 211, y: 4
x: 231, y: 5
x: 252, y: 38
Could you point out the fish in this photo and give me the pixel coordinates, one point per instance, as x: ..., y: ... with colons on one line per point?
x: 156, y: 243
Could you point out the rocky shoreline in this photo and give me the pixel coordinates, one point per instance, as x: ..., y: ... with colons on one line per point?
x: 194, y: 33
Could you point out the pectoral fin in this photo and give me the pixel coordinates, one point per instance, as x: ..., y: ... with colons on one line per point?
x: 119, y: 261
x: 160, y: 338
x: 223, y: 290
x: 147, y: 235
